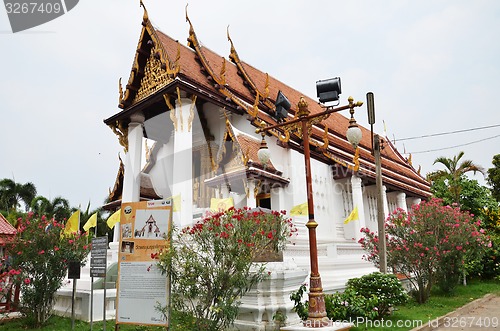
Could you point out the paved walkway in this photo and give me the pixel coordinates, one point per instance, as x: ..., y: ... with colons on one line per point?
x: 479, y: 315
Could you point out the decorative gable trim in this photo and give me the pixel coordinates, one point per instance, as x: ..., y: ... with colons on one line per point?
x: 152, y: 68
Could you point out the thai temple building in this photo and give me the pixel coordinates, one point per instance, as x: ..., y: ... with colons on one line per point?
x: 187, y: 123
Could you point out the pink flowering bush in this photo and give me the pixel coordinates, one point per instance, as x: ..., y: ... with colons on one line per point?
x: 429, y: 244
x: 211, y: 263
x: 41, y: 252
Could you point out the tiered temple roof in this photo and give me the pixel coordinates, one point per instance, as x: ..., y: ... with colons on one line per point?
x: 162, y: 67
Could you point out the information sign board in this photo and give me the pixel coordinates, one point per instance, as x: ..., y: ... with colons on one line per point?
x: 98, y: 257
x: 141, y: 286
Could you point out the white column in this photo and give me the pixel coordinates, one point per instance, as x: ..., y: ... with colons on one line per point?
x: 351, y: 229
x: 224, y: 190
x: 415, y: 201
x: 401, y: 201
x: 251, y: 201
x: 386, y: 203
x: 132, y: 172
x: 183, y: 162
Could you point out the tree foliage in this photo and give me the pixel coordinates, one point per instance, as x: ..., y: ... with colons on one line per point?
x: 474, y: 197
x: 12, y: 194
x: 57, y: 208
x: 494, y: 177
x: 453, y: 173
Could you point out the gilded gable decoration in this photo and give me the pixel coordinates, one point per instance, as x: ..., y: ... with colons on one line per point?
x: 152, y: 68
x: 154, y: 78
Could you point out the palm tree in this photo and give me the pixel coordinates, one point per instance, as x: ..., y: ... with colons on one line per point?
x: 58, y: 208
x: 12, y: 194
x: 454, y: 172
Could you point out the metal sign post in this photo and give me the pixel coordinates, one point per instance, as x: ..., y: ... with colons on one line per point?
x: 98, y: 266
x: 73, y: 273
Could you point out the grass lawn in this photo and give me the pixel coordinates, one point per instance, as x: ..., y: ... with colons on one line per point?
x: 410, y: 315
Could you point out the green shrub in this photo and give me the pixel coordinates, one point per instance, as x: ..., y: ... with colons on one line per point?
x: 350, y: 305
x: 340, y: 306
x: 369, y: 297
x: 385, y: 287
x: 301, y: 308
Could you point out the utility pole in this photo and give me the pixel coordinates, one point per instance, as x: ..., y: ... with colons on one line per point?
x: 380, y: 193
x: 380, y: 207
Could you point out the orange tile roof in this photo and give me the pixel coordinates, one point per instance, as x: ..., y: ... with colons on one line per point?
x: 5, y: 227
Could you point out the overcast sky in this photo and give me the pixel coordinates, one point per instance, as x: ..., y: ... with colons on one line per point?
x: 434, y: 66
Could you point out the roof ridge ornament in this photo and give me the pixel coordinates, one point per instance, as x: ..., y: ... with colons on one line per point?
x: 145, y: 16
x: 219, y: 82
x: 235, y: 58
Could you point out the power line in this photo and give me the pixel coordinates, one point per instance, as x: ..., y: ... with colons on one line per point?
x: 450, y: 132
x: 440, y: 149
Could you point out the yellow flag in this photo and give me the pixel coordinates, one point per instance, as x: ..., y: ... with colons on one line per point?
x: 299, y: 210
x: 91, y: 222
x: 352, y: 216
x: 113, y: 219
x: 221, y: 204
x: 176, y: 202
x: 73, y: 223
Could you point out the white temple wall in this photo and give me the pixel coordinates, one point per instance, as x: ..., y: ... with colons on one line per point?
x: 370, y: 202
x: 392, y: 202
x: 338, y: 211
x: 244, y: 125
x: 346, y: 206
x: 215, y: 120
x: 296, y: 189
x: 412, y: 201
x: 324, y: 213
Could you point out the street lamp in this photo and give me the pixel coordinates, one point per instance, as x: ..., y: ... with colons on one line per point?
x: 330, y: 91
x: 263, y: 153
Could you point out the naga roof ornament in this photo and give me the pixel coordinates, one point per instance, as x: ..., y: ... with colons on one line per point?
x: 264, y: 96
x: 219, y: 81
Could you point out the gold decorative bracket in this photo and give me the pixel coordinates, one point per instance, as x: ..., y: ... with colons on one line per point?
x: 121, y: 132
x: 191, y: 112
x: 173, y: 117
